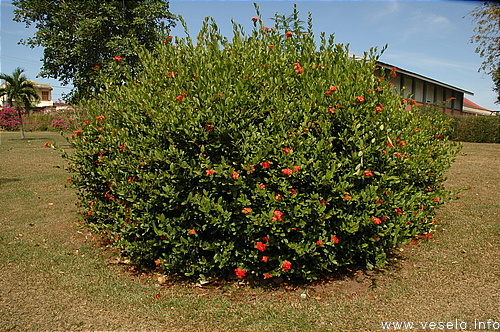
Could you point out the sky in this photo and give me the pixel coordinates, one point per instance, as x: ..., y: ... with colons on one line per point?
x: 431, y: 38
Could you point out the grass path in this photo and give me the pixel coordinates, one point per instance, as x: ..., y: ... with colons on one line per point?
x: 57, y: 276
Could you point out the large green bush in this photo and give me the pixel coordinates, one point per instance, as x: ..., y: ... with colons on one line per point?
x: 266, y: 155
x: 479, y: 129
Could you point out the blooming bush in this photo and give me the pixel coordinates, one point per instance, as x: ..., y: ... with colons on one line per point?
x: 9, y: 119
x: 267, y: 155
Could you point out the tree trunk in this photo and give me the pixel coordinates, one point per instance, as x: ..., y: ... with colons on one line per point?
x: 21, y: 123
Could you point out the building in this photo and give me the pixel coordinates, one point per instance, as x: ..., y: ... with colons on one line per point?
x: 44, y: 92
x: 472, y: 108
x: 425, y: 90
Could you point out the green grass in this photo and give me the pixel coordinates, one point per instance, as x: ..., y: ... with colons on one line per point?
x: 54, y: 275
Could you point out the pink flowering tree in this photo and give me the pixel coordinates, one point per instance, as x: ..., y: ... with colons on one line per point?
x: 264, y: 155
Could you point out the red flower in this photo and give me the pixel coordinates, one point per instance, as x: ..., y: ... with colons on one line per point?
x: 209, y: 127
x: 389, y: 144
x: 398, y: 211
x: 265, y: 164
x: 428, y: 235
x: 319, y: 243
x: 179, y: 98
x: 261, y: 246
x: 271, y: 47
x: 255, y: 19
x: 265, y: 259
x: 286, y: 150
x: 277, y: 215
x: 118, y: 58
x: 95, y: 67
x: 296, y: 168
x: 278, y: 197
x: 246, y: 210
x: 286, y: 266
x: 360, y: 99
x: 262, y: 186
x: 379, y: 201
x: 436, y: 199
x: 267, y: 275
x: 367, y: 173
x: 335, y: 239
x: 287, y: 171
x: 122, y: 147
x: 378, y: 109
x: 48, y: 145
x: 235, y: 175
x: 347, y: 198
x: 100, y: 118
x: 240, y: 272
x: 158, y: 262
x: 209, y: 172
x: 331, y: 110
x: 293, y: 191
x: 192, y: 231
x: 376, y: 220
x: 288, y: 34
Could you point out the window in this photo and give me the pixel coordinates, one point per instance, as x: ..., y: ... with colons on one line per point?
x: 45, y: 95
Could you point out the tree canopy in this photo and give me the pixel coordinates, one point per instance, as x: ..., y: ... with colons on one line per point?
x: 81, y: 37
x: 487, y: 36
x: 19, y: 91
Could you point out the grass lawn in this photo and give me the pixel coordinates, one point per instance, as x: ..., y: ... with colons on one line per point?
x: 55, y: 275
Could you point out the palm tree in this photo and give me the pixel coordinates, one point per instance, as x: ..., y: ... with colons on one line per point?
x: 20, y: 92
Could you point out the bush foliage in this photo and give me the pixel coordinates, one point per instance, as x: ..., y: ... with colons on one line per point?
x: 479, y: 129
x: 266, y: 155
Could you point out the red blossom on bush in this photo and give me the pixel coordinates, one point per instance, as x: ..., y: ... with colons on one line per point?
x: 118, y: 58
x: 360, y: 99
x: 267, y: 275
x: 296, y: 168
x: 240, y: 272
x: 261, y: 246
x: 376, y: 220
x: 100, y: 118
x: 379, y: 108
x: 288, y: 34
x: 398, y: 211
x: 209, y: 127
x: 264, y: 259
x: 335, y: 239
x: 286, y: 150
x: 209, y: 172
x: 319, y: 243
x: 286, y: 266
x: 277, y: 215
x: 262, y: 186
x: 287, y: 171
x: 436, y: 199
x: 246, y: 210
x: 293, y: 191
x: 367, y: 173
x: 265, y: 164
x: 192, y: 231
x: 255, y: 19
x: 235, y: 175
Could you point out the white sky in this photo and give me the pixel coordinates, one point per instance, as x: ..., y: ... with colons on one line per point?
x: 430, y: 38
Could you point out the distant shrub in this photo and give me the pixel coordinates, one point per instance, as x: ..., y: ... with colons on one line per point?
x: 264, y: 156
x: 480, y: 129
x: 9, y: 119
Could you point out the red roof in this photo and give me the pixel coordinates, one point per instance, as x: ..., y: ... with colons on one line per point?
x: 468, y: 103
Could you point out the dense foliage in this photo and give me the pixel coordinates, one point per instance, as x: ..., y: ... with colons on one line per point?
x: 266, y: 155
x: 79, y: 35
x: 479, y: 129
x: 487, y: 37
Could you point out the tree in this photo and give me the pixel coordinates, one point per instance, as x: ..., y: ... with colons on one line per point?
x: 82, y: 37
x: 20, y: 92
x: 487, y: 36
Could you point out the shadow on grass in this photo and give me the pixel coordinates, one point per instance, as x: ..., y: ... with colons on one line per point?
x: 8, y: 180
